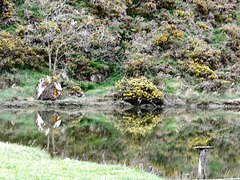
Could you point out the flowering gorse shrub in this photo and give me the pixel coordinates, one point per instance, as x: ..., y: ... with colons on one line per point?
x: 199, y: 59
x: 220, y: 9
x: 113, y: 8
x: 14, y: 53
x: 5, y: 9
x: 233, y: 32
x: 170, y: 33
x: 138, y: 90
x: 137, y: 64
x: 74, y: 89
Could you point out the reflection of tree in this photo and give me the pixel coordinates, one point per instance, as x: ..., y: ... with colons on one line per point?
x: 137, y: 123
x: 48, y: 122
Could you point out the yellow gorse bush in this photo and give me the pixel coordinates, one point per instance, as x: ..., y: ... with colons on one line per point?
x: 49, y: 26
x: 183, y: 14
x: 74, y: 89
x: 137, y: 64
x: 13, y: 53
x: 170, y: 32
x: 6, y: 9
x: 234, y: 42
x: 221, y: 9
x: 202, y: 25
x: 138, y: 89
x: 200, y: 60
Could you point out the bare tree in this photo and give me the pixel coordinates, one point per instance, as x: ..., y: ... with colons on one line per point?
x: 65, y: 31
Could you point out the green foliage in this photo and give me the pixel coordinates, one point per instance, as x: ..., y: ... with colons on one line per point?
x: 218, y: 36
x: 10, y: 28
x: 24, y: 86
x: 85, y: 86
x: 137, y: 90
x: 96, y: 65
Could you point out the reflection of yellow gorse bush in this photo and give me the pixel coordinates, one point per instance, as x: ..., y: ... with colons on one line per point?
x: 200, y: 140
x: 137, y: 123
x: 136, y: 64
x: 200, y: 60
x: 221, y: 9
x: 137, y: 90
x: 190, y: 142
x: 170, y: 32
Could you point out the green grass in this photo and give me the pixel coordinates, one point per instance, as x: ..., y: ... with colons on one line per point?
x: 218, y: 36
x: 28, y: 80
x: 20, y: 162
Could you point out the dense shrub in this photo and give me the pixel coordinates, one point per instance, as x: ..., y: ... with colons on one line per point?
x: 113, y: 8
x: 169, y: 33
x: 137, y: 64
x: 216, y: 85
x: 74, y: 89
x: 233, y: 32
x: 138, y: 90
x: 220, y: 9
x: 199, y: 59
x: 157, y: 3
x: 15, y: 54
x: 5, y: 9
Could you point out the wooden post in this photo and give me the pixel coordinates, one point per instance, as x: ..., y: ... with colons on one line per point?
x: 202, y: 163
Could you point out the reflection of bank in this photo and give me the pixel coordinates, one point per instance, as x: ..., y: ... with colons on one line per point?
x: 48, y: 122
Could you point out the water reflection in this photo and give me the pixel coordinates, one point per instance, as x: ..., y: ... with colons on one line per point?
x: 137, y: 122
x: 48, y: 122
x: 154, y: 141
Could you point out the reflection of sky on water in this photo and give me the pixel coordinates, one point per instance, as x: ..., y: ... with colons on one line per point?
x: 150, y: 139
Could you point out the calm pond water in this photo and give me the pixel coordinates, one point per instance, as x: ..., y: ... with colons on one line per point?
x: 159, y: 141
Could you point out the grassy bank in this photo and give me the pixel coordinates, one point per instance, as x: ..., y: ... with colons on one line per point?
x: 25, y: 87
x: 20, y: 162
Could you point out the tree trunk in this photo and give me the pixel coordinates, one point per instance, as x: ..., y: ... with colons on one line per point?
x: 50, y: 64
